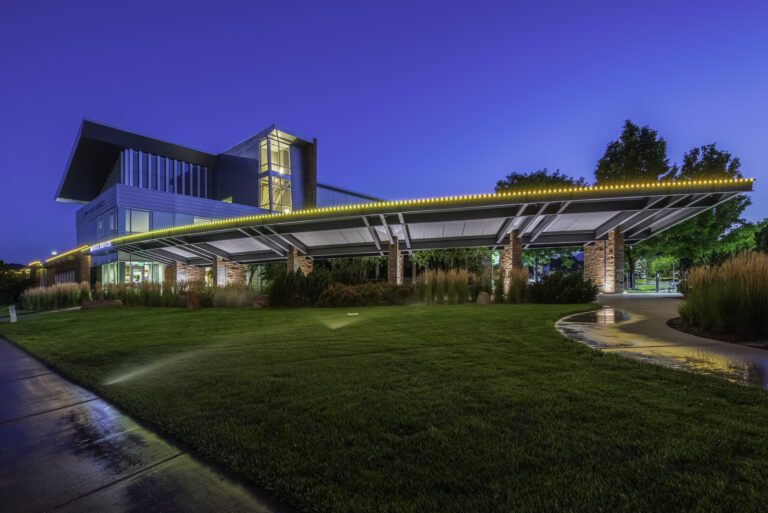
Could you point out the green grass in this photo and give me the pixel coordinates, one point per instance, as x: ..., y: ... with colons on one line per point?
x: 421, y: 409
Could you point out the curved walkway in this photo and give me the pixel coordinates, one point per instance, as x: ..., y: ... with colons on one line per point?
x: 643, y: 334
x: 63, y: 448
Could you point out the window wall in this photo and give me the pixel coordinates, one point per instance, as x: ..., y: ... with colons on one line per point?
x: 275, y: 172
x: 132, y: 272
x: 148, y: 171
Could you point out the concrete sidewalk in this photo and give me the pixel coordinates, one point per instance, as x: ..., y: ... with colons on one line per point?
x: 62, y: 448
x: 646, y: 336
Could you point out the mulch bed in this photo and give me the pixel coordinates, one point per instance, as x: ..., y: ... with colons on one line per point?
x: 733, y: 338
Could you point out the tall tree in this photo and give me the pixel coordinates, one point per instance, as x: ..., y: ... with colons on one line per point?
x: 714, y: 233
x: 639, y: 154
x: 538, y: 179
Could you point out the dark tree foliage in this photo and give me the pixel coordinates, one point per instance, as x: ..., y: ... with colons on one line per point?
x: 12, y: 282
x: 638, y: 155
x: 761, y: 236
x: 713, y: 234
x: 561, y: 287
x: 538, y: 179
x: 474, y: 260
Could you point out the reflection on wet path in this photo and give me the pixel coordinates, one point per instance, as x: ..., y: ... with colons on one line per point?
x: 63, y: 448
x: 636, y: 327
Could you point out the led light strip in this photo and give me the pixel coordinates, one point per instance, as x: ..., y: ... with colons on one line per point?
x: 232, y: 221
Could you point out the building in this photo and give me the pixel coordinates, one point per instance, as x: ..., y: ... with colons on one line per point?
x: 129, y: 183
x: 158, y: 212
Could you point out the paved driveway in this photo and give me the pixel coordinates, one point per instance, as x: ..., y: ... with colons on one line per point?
x: 64, y: 449
x: 645, y: 335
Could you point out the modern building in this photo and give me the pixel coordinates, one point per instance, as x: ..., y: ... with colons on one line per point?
x: 129, y: 183
x: 158, y: 212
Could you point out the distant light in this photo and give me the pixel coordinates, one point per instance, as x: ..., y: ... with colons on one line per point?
x: 54, y: 252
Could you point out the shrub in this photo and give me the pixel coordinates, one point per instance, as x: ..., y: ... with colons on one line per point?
x: 562, y: 287
x: 730, y: 298
x: 367, y: 294
x: 518, y: 285
x: 293, y: 289
x: 498, y: 295
x: 63, y: 295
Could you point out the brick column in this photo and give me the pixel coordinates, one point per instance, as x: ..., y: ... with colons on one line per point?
x: 84, y: 269
x: 604, y: 263
x: 394, y: 263
x: 169, y: 275
x: 510, y: 257
x: 614, y: 263
x: 235, y: 273
x: 297, y: 261
x: 215, y: 264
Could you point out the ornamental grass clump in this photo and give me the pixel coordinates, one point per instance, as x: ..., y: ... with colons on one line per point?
x: 517, y: 291
x: 462, y: 285
x: 440, y: 287
x: 233, y: 296
x: 451, y: 294
x: 62, y: 295
x: 731, y: 298
x: 143, y: 294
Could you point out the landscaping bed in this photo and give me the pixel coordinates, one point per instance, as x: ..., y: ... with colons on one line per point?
x: 420, y: 408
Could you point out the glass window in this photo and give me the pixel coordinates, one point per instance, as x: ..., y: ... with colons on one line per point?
x: 275, y: 154
x: 161, y: 220
x: 183, y: 219
x: 136, y: 221
x: 263, y: 160
x: 264, y: 193
x: 281, y: 194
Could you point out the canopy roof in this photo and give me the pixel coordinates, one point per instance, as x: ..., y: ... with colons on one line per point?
x: 543, y: 218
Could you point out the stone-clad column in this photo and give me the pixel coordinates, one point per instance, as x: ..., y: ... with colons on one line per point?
x: 510, y: 257
x: 215, y: 264
x: 614, y: 262
x: 298, y: 262
x: 394, y: 263
x: 235, y: 273
x: 604, y: 263
x: 84, y: 269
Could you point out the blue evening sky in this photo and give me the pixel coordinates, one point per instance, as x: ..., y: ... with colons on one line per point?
x: 407, y: 99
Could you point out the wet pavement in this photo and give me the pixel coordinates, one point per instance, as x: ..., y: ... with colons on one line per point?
x: 635, y: 326
x: 64, y: 449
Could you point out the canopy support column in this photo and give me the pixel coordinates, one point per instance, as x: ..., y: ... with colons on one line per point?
x: 604, y: 263
x: 394, y: 263
x: 297, y: 261
x: 510, y: 257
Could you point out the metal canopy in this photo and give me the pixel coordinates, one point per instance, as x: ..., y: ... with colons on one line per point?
x: 543, y: 218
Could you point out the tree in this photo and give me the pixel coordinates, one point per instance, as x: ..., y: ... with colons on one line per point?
x: 13, y: 281
x: 639, y: 155
x: 538, y: 179
x: 475, y: 260
x: 714, y: 233
x: 761, y: 236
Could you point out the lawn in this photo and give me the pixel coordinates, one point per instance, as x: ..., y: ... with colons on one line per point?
x: 461, y: 408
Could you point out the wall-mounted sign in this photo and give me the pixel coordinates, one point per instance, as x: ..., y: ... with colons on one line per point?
x: 100, y: 246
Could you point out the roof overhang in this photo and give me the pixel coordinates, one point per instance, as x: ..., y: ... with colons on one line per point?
x: 541, y: 219
x: 96, y: 149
